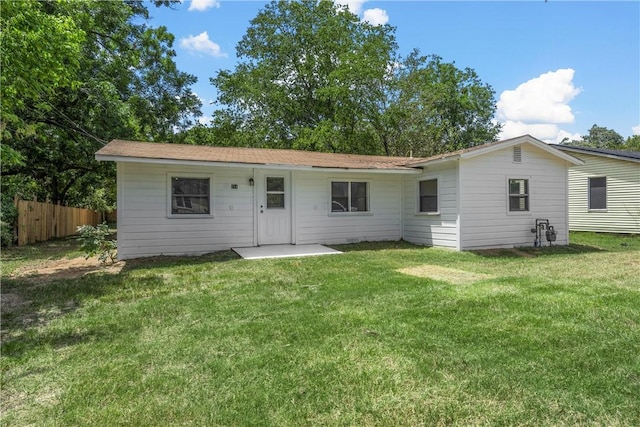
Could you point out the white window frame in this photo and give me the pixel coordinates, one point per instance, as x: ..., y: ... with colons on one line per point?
x: 438, y: 194
x: 606, y: 185
x: 349, y: 211
x: 529, y: 195
x: 170, y: 176
x: 283, y: 192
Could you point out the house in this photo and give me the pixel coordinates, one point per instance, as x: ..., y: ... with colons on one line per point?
x: 184, y: 199
x: 604, y: 192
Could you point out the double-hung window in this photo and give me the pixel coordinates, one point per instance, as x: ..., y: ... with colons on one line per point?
x: 518, y: 195
x: 190, y: 195
x: 349, y: 196
x: 428, y: 196
x: 598, y: 193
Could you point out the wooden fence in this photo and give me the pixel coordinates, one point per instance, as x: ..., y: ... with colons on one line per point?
x: 38, y: 221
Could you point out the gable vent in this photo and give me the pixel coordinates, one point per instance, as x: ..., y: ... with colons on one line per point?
x: 517, y: 154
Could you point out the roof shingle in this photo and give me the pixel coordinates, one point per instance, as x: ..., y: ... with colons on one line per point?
x: 258, y: 156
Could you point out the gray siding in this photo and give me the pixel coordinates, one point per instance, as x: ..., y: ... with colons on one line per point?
x: 145, y: 228
x: 433, y: 229
x: 623, y: 195
x: 315, y: 223
x: 485, y: 221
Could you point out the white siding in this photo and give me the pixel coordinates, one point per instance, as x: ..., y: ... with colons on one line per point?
x: 144, y: 228
x: 315, y: 223
x: 623, y: 195
x: 431, y: 229
x: 484, y: 218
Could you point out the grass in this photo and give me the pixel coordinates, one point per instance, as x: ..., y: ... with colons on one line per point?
x: 386, y: 334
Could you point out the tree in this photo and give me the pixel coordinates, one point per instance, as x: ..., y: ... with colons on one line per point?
x: 599, y: 137
x: 111, y: 76
x: 632, y: 143
x: 305, y: 69
x: 313, y: 76
x: 438, y: 108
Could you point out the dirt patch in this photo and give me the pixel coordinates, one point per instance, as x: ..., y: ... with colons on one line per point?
x: 450, y: 275
x: 68, y: 268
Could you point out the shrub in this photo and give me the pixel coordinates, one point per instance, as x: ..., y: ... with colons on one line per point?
x: 8, y: 218
x: 95, y: 241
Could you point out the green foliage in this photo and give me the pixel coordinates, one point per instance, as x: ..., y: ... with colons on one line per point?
x: 313, y: 76
x: 81, y: 73
x: 436, y: 107
x: 305, y: 69
x: 96, y: 241
x: 8, y: 219
x: 599, y: 137
x: 632, y: 143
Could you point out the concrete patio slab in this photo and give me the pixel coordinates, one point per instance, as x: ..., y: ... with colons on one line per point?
x: 284, y: 251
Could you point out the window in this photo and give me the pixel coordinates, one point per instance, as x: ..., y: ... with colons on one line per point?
x: 518, y: 195
x: 598, y: 193
x: 428, y: 196
x: 190, y: 196
x: 349, y: 196
x: 275, y: 192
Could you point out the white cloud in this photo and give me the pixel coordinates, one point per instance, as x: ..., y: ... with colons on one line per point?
x: 375, y: 16
x: 204, y: 120
x: 355, y: 6
x: 202, y: 5
x: 636, y: 130
x: 537, y: 107
x: 548, y: 132
x: 202, y: 44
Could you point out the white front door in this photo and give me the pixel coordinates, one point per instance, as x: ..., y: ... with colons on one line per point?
x: 274, y: 208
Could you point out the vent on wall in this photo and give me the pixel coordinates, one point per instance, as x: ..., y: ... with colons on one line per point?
x: 517, y: 154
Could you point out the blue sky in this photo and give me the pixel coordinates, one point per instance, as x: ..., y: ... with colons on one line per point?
x: 557, y: 67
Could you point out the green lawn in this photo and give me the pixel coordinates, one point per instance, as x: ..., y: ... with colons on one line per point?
x: 386, y: 334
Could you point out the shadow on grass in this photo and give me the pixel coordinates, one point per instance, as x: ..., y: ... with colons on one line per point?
x: 173, y: 261
x: 377, y: 246
x: 531, y: 252
x: 27, y: 307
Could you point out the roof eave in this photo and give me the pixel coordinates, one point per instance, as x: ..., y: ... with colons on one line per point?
x: 158, y: 161
x: 523, y: 139
x: 594, y: 153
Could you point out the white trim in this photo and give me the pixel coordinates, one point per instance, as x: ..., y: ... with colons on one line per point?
x: 174, y: 174
x: 402, y: 207
x: 530, y: 209
x: 438, y: 179
x: 120, y: 209
x: 350, y: 212
x: 292, y: 201
x: 458, y: 204
x: 606, y: 193
x: 255, y: 207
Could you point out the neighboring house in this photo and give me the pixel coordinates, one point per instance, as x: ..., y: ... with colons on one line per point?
x: 185, y: 199
x: 604, y: 192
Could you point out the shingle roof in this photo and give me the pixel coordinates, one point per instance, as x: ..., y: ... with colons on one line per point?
x: 257, y: 156
x: 119, y: 150
x: 622, y: 154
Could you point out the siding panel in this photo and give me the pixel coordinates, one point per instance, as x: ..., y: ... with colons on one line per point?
x: 433, y: 230
x: 315, y: 223
x: 144, y: 228
x: 623, y: 195
x: 485, y: 221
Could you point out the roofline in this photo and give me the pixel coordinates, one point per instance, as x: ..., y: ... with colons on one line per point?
x: 499, y: 145
x: 127, y: 159
x: 587, y: 150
